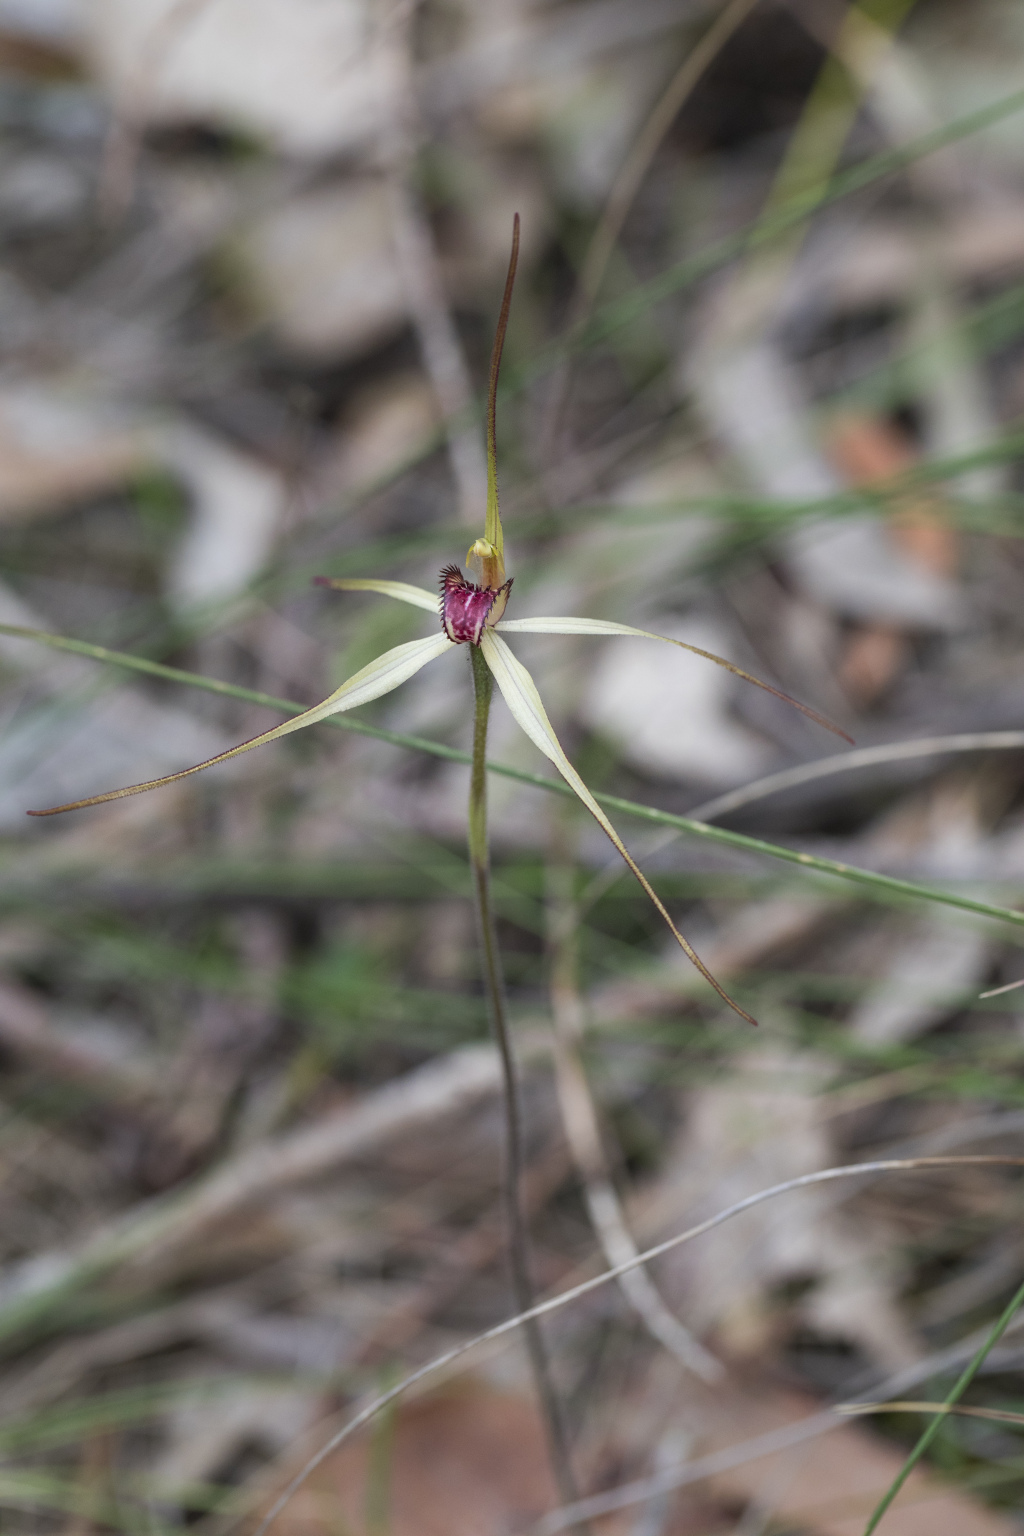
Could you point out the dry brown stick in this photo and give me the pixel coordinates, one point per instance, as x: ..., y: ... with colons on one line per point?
x: 439, y: 344
x: 159, y: 1229
x: 28, y: 1033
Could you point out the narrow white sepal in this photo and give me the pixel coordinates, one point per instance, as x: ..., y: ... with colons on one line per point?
x: 571, y: 626
x: 380, y: 677
x: 520, y: 694
x: 404, y: 591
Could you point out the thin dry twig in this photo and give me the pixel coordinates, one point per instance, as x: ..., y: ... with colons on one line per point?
x: 583, y: 1133
x: 995, y: 1415
x: 627, y: 184
x: 619, y: 1498
x: 431, y: 315
x: 440, y: 345
x: 846, y: 762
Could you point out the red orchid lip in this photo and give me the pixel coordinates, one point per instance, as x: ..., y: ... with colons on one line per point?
x: 466, y: 609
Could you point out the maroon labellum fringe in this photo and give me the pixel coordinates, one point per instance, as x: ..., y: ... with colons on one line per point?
x: 466, y: 609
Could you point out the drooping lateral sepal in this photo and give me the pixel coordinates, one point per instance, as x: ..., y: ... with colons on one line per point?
x: 377, y: 678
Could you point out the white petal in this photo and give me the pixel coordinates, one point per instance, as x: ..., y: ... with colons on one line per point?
x: 371, y: 682
x: 419, y: 597
x: 568, y: 626
x: 573, y: 626
x: 520, y: 694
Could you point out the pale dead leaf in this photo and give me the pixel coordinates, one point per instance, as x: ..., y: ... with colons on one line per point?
x: 313, y: 79
x: 56, y: 450
x: 324, y: 271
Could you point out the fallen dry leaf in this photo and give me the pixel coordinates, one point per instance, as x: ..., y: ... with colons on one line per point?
x: 830, y: 1485
x: 466, y: 1461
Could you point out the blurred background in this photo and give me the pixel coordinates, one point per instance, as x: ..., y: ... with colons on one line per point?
x: 761, y: 393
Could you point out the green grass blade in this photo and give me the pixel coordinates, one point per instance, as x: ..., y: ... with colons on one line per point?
x: 955, y: 1395
x: 685, y: 274
x: 883, y: 885
x: 612, y: 317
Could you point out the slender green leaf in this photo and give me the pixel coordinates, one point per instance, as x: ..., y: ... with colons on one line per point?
x: 612, y: 317
x: 955, y: 1395
x: 882, y: 885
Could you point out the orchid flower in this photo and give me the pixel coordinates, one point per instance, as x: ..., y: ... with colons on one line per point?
x: 472, y: 614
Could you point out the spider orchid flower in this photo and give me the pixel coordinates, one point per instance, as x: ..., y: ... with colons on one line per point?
x: 472, y: 613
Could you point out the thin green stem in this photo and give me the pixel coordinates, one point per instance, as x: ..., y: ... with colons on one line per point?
x: 958, y: 1391
x: 519, y: 1247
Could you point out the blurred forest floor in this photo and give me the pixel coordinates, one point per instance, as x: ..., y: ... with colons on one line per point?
x: 762, y: 394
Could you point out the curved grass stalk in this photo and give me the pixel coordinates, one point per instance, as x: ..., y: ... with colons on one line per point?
x: 862, y: 757
x: 990, y: 1415
x: 605, y: 1503
x: 583, y: 1132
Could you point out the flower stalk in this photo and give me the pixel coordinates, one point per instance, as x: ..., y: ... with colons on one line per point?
x: 490, y: 955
